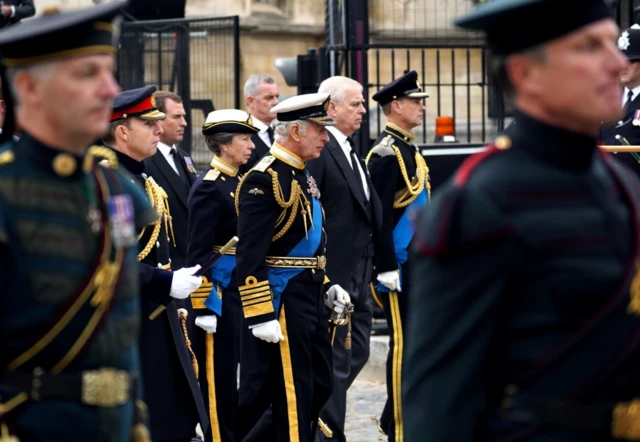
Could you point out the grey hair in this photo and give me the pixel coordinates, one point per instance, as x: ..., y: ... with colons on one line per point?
x: 281, y: 129
x: 498, y: 68
x: 337, y: 86
x: 216, y: 140
x: 252, y: 85
x: 42, y: 71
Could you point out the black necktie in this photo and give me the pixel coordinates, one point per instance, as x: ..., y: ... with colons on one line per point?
x: 629, y: 99
x: 356, y: 169
x: 270, y: 133
x: 176, y: 160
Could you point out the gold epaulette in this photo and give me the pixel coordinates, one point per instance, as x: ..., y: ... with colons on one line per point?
x: 7, y: 157
x: 212, y: 175
x: 160, y: 201
x: 264, y: 163
x: 107, y: 157
x: 383, y: 149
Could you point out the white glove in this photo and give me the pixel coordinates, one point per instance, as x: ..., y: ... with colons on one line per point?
x: 183, y: 283
x: 268, y: 331
x: 390, y: 280
x: 336, y: 296
x: 207, y: 323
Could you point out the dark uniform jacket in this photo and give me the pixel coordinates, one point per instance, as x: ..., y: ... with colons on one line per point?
x: 352, y: 221
x: 55, y: 236
x: 390, y: 176
x: 178, y: 192
x: 525, y: 285
x: 171, y: 387
x: 266, y: 229
x: 23, y: 9
x: 627, y: 129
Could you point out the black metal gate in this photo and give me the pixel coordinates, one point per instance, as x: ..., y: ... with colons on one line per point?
x: 196, y: 58
x: 451, y: 64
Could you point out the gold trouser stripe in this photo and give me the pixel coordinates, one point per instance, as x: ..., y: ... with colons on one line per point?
x: 396, y: 366
x: 211, y: 384
x: 375, y: 296
x: 289, y: 386
x: 13, y: 403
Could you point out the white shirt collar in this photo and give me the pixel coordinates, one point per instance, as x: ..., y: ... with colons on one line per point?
x: 164, y: 148
x: 259, y: 124
x: 340, y: 137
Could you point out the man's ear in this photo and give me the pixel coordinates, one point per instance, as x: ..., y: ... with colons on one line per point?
x: 295, y: 132
x: 3, y: 107
x: 123, y: 132
x: 332, y: 110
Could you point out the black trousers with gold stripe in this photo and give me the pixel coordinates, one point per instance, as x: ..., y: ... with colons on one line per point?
x: 294, y: 376
x: 218, y: 355
x: 396, y: 307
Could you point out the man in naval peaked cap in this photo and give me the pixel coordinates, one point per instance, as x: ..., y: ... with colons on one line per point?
x: 69, y: 291
x: 400, y: 176
x: 524, y: 307
x: 286, y: 295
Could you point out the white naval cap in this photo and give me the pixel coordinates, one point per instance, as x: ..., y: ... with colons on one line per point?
x: 307, y: 107
x: 229, y: 121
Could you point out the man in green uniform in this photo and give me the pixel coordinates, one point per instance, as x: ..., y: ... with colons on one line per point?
x: 524, y: 314
x: 69, y: 298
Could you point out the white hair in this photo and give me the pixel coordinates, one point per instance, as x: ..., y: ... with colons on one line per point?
x: 42, y: 71
x: 252, y: 85
x: 281, y: 129
x: 337, y: 86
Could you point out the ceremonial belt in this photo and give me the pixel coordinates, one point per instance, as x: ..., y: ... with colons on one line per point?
x: 105, y: 387
x: 279, y: 276
x: 291, y: 262
x: 622, y: 421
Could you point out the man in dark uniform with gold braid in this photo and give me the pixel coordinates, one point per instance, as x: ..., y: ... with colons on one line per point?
x: 282, y: 283
x: 169, y: 367
x: 525, y: 317
x: 401, y: 178
x: 69, y: 290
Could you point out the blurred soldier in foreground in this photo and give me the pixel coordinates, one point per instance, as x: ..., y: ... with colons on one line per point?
x: 69, y: 291
x: 525, y: 310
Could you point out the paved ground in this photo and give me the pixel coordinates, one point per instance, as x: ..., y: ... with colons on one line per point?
x: 364, y: 402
